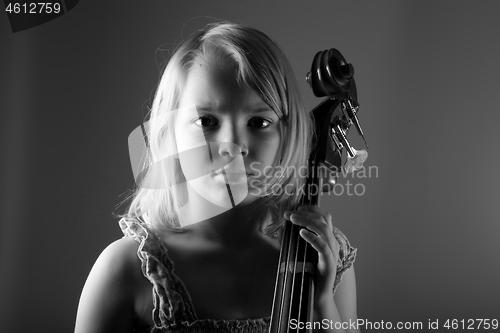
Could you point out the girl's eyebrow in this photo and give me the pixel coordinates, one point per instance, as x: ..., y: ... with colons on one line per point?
x: 263, y: 109
x: 205, y: 108
x: 253, y: 110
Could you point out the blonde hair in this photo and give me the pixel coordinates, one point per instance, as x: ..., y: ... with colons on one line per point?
x: 262, y: 66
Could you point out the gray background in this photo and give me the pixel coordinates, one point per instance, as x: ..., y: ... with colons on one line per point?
x: 427, y: 72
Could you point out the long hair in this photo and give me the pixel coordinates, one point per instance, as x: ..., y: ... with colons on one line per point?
x: 261, y: 66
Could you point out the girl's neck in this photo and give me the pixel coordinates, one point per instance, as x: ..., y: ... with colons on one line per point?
x: 236, y: 227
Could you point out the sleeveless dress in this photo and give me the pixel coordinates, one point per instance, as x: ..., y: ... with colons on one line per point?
x: 172, y: 307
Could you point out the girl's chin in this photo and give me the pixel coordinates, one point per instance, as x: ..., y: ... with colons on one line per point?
x: 225, y: 199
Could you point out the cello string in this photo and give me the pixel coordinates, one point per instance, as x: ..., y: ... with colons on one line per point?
x: 307, y: 271
x: 291, y: 270
x: 296, y: 281
x: 294, y: 287
x: 305, y: 275
x: 302, y: 280
x: 282, y: 278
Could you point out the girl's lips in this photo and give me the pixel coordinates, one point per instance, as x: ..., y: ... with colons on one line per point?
x: 233, y: 172
x: 232, y: 177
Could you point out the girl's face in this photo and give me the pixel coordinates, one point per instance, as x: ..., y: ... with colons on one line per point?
x: 226, y: 136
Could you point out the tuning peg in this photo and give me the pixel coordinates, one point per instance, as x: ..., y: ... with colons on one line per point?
x: 351, y: 108
x: 355, y: 163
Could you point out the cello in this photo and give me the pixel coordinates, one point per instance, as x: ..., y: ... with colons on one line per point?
x: 331, y: 77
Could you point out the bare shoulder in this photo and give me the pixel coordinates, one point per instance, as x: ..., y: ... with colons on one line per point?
x: 118, y: 262
x: 107, y: 300
x: 121, y: 252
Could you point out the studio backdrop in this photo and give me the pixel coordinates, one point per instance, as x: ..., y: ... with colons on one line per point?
x: 424, y: 213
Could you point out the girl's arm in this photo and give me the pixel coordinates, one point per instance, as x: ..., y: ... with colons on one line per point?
x: 107, y: 300
x: 345, y: 298
x: 341, y: 307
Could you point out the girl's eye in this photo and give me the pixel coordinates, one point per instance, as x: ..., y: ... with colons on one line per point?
x: 259, y: 122
x: 206, y: 121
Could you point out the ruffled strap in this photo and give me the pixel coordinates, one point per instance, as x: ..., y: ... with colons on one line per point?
x: 260, y: 325
x: 347, y: 256
x: 171, y: 300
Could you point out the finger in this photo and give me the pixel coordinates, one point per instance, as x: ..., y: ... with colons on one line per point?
x: 327, y: 236
x: 307, y: 213
x: 304, y: 214
x: 318, y: 241
x: 319, y: 245
x: 335, y: 247
x: 312, y: 222
x: 315, y: 222
x: 310, y: 216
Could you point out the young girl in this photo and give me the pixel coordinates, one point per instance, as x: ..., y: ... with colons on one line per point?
x: 200, y: 251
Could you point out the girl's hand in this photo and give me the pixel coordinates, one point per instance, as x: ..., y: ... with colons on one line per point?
x: 319, y: 234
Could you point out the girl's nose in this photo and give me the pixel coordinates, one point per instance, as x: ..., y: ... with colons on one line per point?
x: 232, y: 149
x: 232, y: 140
